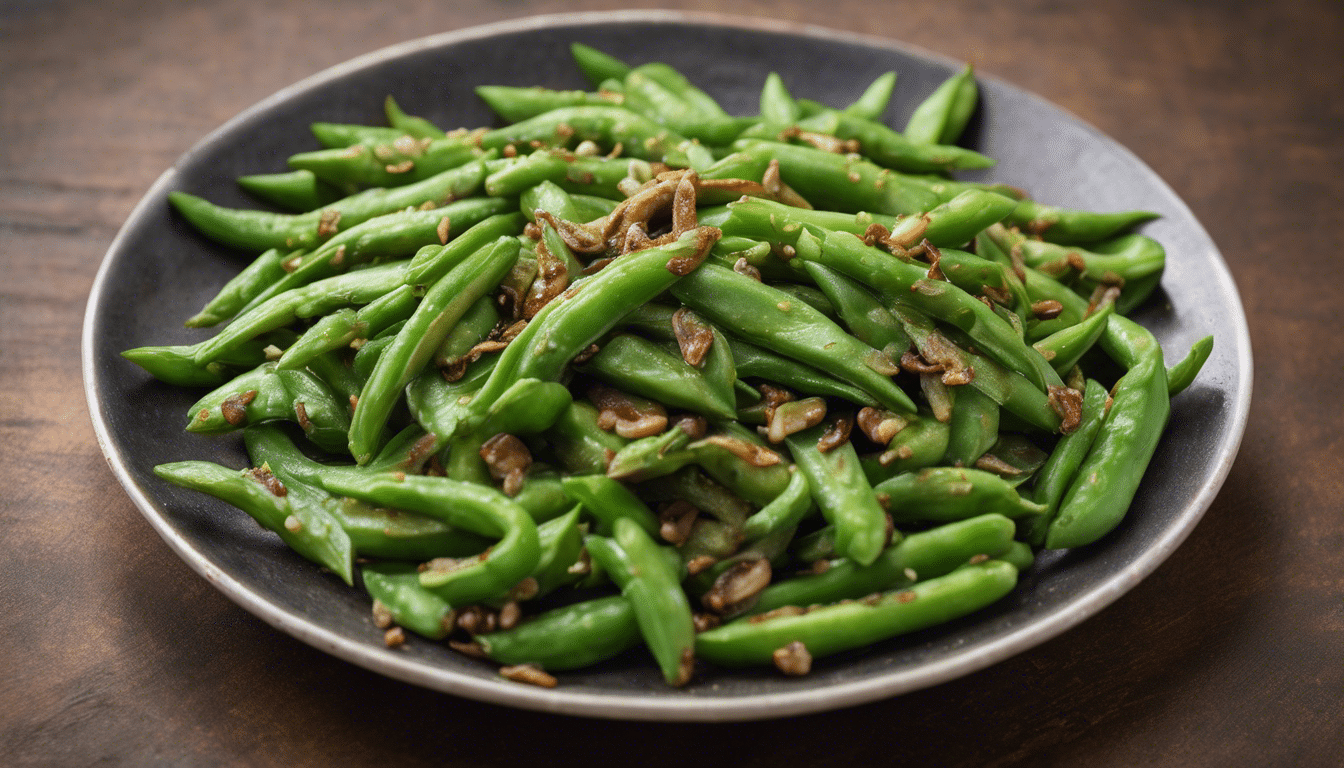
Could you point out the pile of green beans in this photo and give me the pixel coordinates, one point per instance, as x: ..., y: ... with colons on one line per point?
x: 628, y: 371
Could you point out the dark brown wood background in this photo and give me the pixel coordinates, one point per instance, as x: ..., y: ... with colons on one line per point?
x: 1232, y: 654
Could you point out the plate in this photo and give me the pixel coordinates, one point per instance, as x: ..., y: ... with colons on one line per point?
x: 158, y: 272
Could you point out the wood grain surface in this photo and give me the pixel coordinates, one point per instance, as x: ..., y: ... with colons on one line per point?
x: 112, y: 652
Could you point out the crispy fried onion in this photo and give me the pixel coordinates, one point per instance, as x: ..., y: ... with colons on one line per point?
x: 770, y: 187
x: 823, y: 141
x: 551, y: 281
x: 578, y: 237
x: 911, y: 235
x: 929, y: 253
x: 694, y: 426
x: 795, y: 416
x: 694, y: 336
x: 1046, y: 309
x: 879, y: 425
x: 771, y: 398
x: 836, y: 435
x: 744, y: 267
x: 793, y: 659
x: 500, y: 336
x: 507, y: 458
x: 940, y: 356
x: 1068, y: 403
x: 751, y: 453
x: 234, y: 407
x: 1103, y: 295
x: 881, y: 362
x: 676, y: 520
x: 267, y: 480
x: 705, y: 237
x: 736, y: 589
x: 991, y: 463
x: 626, y: 415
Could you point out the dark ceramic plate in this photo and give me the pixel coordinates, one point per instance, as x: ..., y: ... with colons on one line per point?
x: 158, y: 272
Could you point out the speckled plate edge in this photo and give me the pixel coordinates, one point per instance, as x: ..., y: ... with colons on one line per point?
x: 776, y: 703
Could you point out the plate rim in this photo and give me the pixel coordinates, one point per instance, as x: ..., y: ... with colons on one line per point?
x: 639, y: 706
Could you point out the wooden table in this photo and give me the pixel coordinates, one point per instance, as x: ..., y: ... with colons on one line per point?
x: 112, y: 651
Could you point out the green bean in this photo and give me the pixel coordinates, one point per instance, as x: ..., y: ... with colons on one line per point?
x: 862, y: 313
x: 843, y: 494
x: 570, y: 637
x: 514, y: 104
x: 584, y: 447
x: 1019, y: 555
x: 266, y: 394
x: 890, y: 149
x: 429, y: 265
x: 652, y: 456
x: 941, y: 117
x: 471, y: 329
x: 1065, y: 347
x: 396, y: 162
x: 259, y: 230
x: 255, y: 278
x: 561, y: 542
x: 777, y: 104
x: 639, y: 136
x: 343, y: 326
x: 841, y: 182
x: 567, y: 325
x: 734, y: 459
x: 445, y: 303
x: 640, y: 367
x: 753, y: 361
x: 439, y: 405
x: 843, y: 626
x: 377, y: 531
x: 1120, y: 259
x: 305, y: 301
x: 677, y: 84
x: 608, y: 501
x: 705, y: 494
x: 366, y: 357
x: 784, y: 511
x: 335, y: 135
x: 873, y: 101
x: 659, y: 93
x: 974, y: 426
x: 653, y: 589
x: 1067, y: 226
x: 476, y: 508
x: 921, y: 443
x: 596, y: 65
x: 919, y: 556
x: 1062, y: 466
x: 1182, y: 374
x: 1014, y: 457
x: 897, y: 280
x: 298, y: 190
x: 809, y: 296
x: 304, y: 527
x: 396, y: 587
x: 768, y: 317
x: 527, y: 407
x: 385, y: 237
x: 944, y: 494
x: 1109, y: 476
x: 411, y: 125
x: 1009, y: 389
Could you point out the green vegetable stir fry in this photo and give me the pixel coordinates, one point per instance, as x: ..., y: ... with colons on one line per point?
x: 631, y: 371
